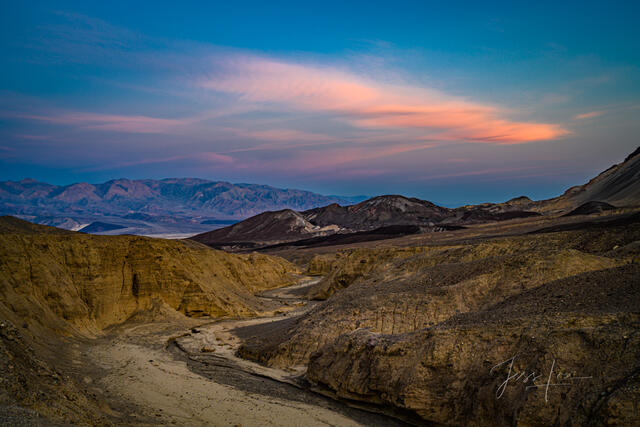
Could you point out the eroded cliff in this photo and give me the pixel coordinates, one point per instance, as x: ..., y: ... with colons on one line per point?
x: 420, y: 328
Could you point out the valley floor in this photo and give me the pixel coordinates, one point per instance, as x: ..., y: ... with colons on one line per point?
x: 160, y: 373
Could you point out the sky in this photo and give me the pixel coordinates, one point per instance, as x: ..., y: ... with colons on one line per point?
x: 453, y: 102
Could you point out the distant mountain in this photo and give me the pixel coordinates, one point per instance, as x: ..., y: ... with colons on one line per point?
x: 186, y: 205
x: 379, y: 216
x: 386, y: 215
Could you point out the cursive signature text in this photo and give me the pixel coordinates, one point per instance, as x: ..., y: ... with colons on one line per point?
x: 533, y: 379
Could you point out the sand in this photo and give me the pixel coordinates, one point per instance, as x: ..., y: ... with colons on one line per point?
x: 159, y: 375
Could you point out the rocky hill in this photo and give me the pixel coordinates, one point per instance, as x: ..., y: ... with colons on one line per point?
x: 272, y: 228
x: 58, y: 288
x: 82, y: 283
x: 432, y: 330
x: 619, y: 185
x: 368, y: 220
x: 149, y: 206
x: 373, y: 219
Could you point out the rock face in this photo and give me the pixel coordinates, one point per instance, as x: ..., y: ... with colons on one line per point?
x: 78, y: 283
x: 420, y: 328
x: 169, y: 204
x: 570, y: 359
x: 58, y: 288
x: 378, y: 212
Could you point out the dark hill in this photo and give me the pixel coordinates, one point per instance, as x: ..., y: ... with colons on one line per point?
x: 590, y: 208
x: 620, y: 182
x: 619, y: 185
x: 378, y: 218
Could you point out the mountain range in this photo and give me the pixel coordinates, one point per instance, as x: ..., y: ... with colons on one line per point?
x: 393, y: 215
x: 151, y: 207
x: 185, y: 207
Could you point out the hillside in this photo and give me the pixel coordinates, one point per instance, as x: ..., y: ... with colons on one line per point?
x: 276, y: 227
x: 430, y: 330
x: 86, y: 283
x: 619, y: 186
x: 58, y: 288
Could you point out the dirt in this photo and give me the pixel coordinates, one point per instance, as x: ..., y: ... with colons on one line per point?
x: 193, y: 377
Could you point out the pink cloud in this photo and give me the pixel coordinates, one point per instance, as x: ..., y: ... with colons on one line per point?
x: 111, y: 122
x: 372, y: 105
x: 588, y: 115
x: 283, y: 135
x: 205, y: 157
x: 263, y: 80
x: 328, y: 159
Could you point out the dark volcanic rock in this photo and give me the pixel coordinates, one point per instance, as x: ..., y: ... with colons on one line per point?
x: 272, y: 227
x: 378, y: 212
x: 378, y: 218
x: 590, y: 208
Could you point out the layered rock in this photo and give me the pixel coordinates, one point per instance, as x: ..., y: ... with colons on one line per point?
x: 420, y: 328
x: 58, y: 288
x: 567, y: 352
x: 81, y: 283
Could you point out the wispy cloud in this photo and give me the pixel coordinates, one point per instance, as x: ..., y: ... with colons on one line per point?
x: 259, y: 114
x: 204, y: 157
x: 110, y: 122
x: 588, y: 115
x: 367, y: 104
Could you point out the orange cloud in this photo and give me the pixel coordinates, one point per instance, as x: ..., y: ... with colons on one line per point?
x: 588, y: 115
x: 329, y: 158
x: 372, y: 105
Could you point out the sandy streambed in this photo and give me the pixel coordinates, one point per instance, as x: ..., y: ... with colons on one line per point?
x: 191, y: 376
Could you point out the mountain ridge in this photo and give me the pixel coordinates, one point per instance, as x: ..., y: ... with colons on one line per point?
x: 617, y: 186
x: 144, y: 206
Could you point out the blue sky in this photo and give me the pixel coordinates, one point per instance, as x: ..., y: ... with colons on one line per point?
x: 458, y: 103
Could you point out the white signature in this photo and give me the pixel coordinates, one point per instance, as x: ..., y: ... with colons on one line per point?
x: 531, y: 378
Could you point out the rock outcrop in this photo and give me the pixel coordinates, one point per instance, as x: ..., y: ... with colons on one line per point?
x: 77, y: 283
x: 619, y: 185
x: 420, y: 328
x: 59, y: 288
x: 564, y: 353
